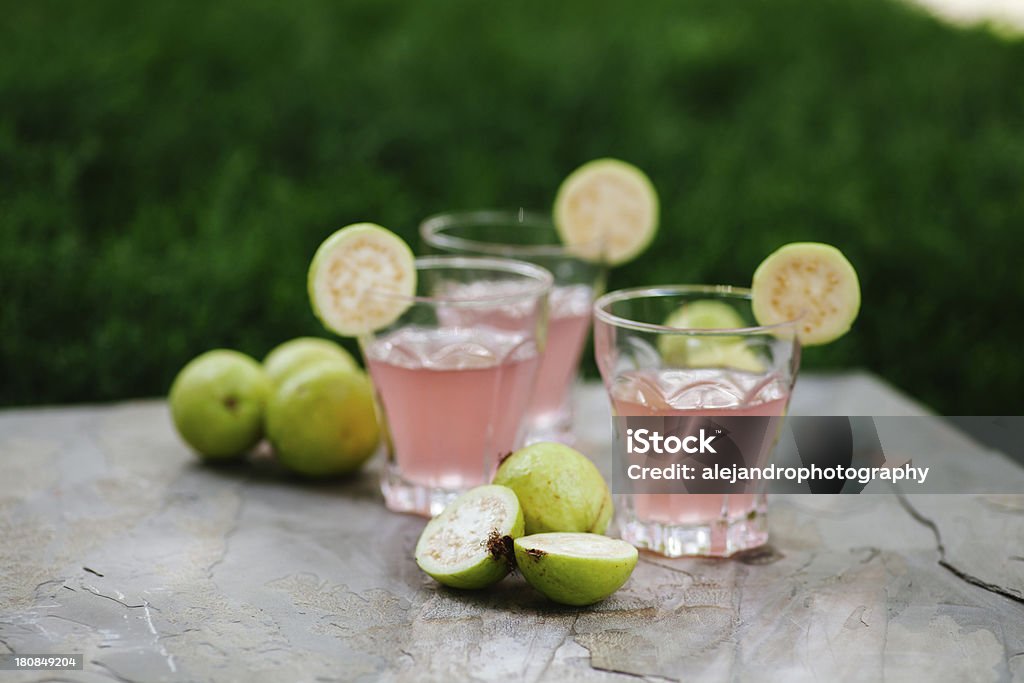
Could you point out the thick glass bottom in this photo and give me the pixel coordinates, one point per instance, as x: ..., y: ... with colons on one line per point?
x: 402, y: 495
x: 718, y: 536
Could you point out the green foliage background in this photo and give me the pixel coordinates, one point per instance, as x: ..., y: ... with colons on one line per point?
x: 168, y: 169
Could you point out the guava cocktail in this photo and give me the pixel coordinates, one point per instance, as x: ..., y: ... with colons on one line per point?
x: 454, y: 375
x: 533, y: 238
x: 693, y: 351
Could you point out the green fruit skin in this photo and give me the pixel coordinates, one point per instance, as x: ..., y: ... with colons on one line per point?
x: 217, y: 403
x: 321, y: 420
x: 694, y: 351
x: 576, y: 581
x: 292, y: 356
x: 488, y: 573
x: 559, y: 489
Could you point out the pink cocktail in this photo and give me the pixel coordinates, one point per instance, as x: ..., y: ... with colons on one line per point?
x: 651, y: 369
x: 568, y: 324
x: 453, y: 378
x: 450, y: 395
x: 709, y: 392
x: 531, y: 237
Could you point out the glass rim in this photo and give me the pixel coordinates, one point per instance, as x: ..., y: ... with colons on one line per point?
x: 651, y: 292
x: 542, y: 279
x: 432, y: 231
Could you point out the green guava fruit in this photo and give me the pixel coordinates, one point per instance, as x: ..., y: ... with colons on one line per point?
x: 469, y: 545
x: 575, y: 569
x: 321, y: 420
x: 217, y: 403
x: 558, y: 487
x: 707, y: 351
x: 291, y: 356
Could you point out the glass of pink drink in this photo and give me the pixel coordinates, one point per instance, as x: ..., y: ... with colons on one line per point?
x: 454, y: 374
x: 652, y: 367
x: 532, y: 237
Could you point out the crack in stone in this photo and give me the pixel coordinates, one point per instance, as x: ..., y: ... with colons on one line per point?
x: 955, y: 571
x: 571, y: 631
x: 47, y: 583
x: 9, y: 648
x: 232, y: 529
x: 110, y: 672
x: 68, y: 619
x: 90, y: 589
x: 678, y: 570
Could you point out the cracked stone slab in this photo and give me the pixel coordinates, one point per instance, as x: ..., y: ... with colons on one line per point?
x: 118, y: 544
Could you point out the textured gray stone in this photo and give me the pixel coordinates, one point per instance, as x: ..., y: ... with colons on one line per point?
x: 116, y: 543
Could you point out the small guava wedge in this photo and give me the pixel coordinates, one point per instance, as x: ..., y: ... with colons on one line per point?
x: 349, y: 265
x: 469, y: 545
x: 607, y: 210
x: 573, y: 568
x: 810, y: 281
x: 696, y: 351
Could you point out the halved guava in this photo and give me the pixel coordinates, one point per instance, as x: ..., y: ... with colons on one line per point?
x: 469, y: 545
x: 575, y: 568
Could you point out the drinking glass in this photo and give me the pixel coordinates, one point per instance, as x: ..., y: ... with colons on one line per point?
x: 651, y: 367
x: 532, y: 237
x: 454, y: 373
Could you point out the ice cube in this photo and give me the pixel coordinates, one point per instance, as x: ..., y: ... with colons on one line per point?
x: 463, y: 355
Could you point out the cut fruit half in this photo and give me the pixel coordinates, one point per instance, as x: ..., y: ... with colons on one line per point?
x: 352, y: 263
x: 607, y: 210
x: 469, y: 545
x: 695, y: 351
x: 575, y: 569
x: 810, y: 281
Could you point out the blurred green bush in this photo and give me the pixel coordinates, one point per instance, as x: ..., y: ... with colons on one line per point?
x: 167, y: 169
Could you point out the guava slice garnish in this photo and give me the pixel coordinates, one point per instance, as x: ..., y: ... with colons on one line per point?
x: 361, y: 278
x: 809, y: 281
x: 575, y: 568
x: 699, y: 351
x: 607, y: 210
x: 469, y: 545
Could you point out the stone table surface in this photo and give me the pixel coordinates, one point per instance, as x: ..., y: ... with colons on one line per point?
x: 117, y: 544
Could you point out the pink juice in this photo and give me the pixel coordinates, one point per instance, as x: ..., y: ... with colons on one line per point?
x: 568, y: 323
x: 713, y: 392
x: 453, y: 398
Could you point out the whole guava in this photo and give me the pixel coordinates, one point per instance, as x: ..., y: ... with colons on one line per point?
x: 288, y: 358
x: 217, y: 403
x: 321, y: 420
x: 558, y: 488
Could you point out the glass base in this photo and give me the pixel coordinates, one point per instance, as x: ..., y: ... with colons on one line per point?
x: 402, y: 495
x: 717, y: 538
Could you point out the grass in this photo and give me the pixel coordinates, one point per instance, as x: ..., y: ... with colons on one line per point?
x: 168, y: 169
